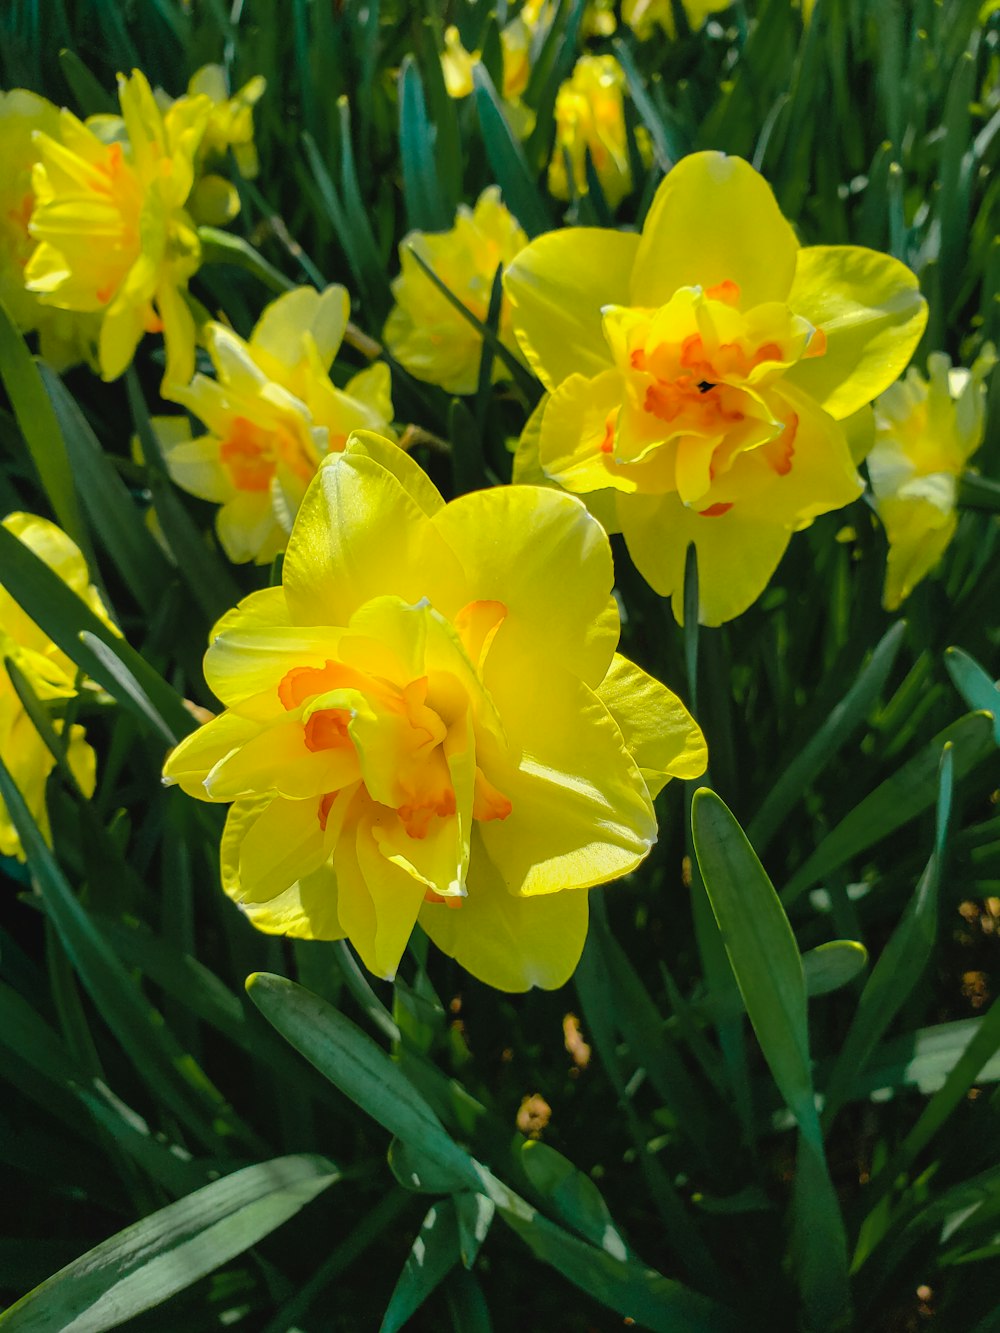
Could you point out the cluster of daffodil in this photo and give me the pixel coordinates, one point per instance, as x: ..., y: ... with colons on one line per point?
x: 51, y: 677
x: 270, y: 415
x: 428, y: 719
x: 99, y: 218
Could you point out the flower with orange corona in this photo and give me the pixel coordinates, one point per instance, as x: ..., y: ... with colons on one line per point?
x: 424, y: 723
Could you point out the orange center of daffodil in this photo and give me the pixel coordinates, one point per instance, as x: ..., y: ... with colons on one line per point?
x: 350, y: 711
x: 698, y: 374
x: 251, y: 453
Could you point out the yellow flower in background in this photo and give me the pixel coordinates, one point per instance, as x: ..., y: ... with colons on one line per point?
x: 517, y: 40
x: 270, y: 415
x: 424, y: 331
x: 51, y: 674
x: 429, y: 721
x: 114, y: 236
x: 698, y: 375
x: 926, y: 430
x: 590, y: 118
x: 644, y: 17
x: 230, y: 121
x: 64, y: 337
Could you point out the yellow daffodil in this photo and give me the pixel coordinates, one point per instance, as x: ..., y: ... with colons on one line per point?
x: 51, y: 675
x: 517, y: 40
x: 590, y: 118
x: 270, y: 415
x: 428, y: 721
x: 698, y: 375
x: 644, y: 17
x: 230, y: 121
x: 64, y: 337
x: 926, y: 430
x: 424, y: 331
x: 114, y: 236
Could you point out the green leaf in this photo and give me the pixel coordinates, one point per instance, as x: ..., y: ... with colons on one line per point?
x: 826, y: 743
x: 92, y: 97
x: 40, y: 428
x: 435, y: 1252
x: 422, y: 1173
x: 900, y: 965
x: 66, y: 619
x: 572, y: 1196
x: 475, y: 1214
x: 425, y: 206
x: 761, y: 948
x: 832, y: 965
x: 149, y: 1262
x: 908, y: 793
x: 506, y: 157
x: 360, y: 1069
x: 768, y: 970
x: 978, y: 689
x: 222, y: 247
x: 169, y: 1070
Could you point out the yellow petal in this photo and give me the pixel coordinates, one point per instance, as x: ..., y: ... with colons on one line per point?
x: 280, y: 329
x: 189, y: 763
x: 509, y: 942
x: 557, y: 286
x: 377, y: 902
x: 360, y: 534
x: 121, y: 330
x: 714, y: 220
x: 179, y: 335
x: 737, y: 553
x: 248, y: 528
x: 662, y: 736
x: 870, y: 308
x: 580, y: 812
x: 526, y: 547
x: 244, y: 660
x: 409, y: 473
x: 919, y: 528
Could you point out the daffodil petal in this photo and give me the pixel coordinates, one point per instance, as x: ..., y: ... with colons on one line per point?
x: 509, y: 942
x: 190, y: 762
x: 409, y: 473
x: 737, y: 554
x: 662, y: 736
x: 870, y: 309
x: 579, y: 815
x: 714, y: 220
x: 280, y: 329
x: 523, y: 547
x: 557, y: 287
x: 919, y: 533
x: 244, y: 661
x: 360, y: 534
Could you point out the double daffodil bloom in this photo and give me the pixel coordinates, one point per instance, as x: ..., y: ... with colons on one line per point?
x: 590, y: 118
x: 429, y: 721
x: 926, y: 430
x: 64, y: 337
x: 424, y: 331
x: 114, y: 236
x: 51, y: 675
x: 698, y: 375
x: 270, y: 416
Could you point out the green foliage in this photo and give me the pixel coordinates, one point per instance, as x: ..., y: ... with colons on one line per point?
x: 160, y: 1130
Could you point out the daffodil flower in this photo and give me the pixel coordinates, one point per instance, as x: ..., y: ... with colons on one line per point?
x: 114, y: 236
x: 51, y: 675
x: 424, y: 331
x: 65, y: 337
x: 271, y: 415
x: 926, y: 430
x: 429, y: 721
x: 698, y: 375
x: 644, y: 17
x: 590, y: 118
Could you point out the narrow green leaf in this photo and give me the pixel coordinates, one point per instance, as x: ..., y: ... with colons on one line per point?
x: 149, y: 1262
x: 761, y: 948
x: 902, y: 797
x: 826, y: 743
x: 40, y: 428
x: 506, y: 157
x: 360, y: 1069
x: 572, y: 1196
x: 475, y: 1214
x: 832, y: 965
x: 175, y: 1077
x: 223, y: 247
x: 425, y: 206
x: 900, y: 965
x: 435, y: 1252
x: 978, y: 689
x: 66, y: 619
x: 365, y: 259
x: 92, y: 97
x: 113, y: 515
